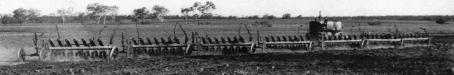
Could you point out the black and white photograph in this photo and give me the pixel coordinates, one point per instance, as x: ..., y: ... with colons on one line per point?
x: 226, y: 37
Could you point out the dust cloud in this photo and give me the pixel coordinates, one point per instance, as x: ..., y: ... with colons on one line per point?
x: 8, y: 54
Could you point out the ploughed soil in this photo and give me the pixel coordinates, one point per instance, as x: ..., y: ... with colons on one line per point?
x: 437, y: 59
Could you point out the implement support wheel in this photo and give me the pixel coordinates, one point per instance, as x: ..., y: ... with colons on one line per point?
x: 21, y: 55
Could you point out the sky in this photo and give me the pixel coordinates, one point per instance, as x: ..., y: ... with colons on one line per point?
x: 254, y: 7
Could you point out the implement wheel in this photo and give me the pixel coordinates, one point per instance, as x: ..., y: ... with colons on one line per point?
x: 21, y: 55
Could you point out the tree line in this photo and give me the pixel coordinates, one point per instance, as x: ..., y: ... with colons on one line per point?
x: 102, y: 14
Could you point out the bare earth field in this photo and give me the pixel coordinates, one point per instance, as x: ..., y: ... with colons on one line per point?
x: 410, y: 61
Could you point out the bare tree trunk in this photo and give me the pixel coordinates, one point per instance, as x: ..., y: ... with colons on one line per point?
x: 114, y: 18
x: 104, y: 20
x: 160, y: 18
x: 26, y: 20
x: 63, y: 19
x: 99, y: 20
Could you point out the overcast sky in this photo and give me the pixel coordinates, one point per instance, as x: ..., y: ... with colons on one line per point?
x: 255, y: 7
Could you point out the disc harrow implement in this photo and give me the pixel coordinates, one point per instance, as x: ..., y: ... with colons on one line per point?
x: 342, y: 42
x: 396, y: 41
x: 171, y: 46
x: 75, y: 50
x: 96, y: 49
x: 197, y: 46
x: 230, y: 46
x: 374, y: 41
x: 287, y: 42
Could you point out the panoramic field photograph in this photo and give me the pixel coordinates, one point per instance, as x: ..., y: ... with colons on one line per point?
x: 226, y: 37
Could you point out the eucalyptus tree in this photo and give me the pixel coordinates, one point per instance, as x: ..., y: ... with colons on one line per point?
x: 24, y: 15
x: 159, y: 12
x: 101, y: 11
x: 64, y: 12
x: 140, y: 14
